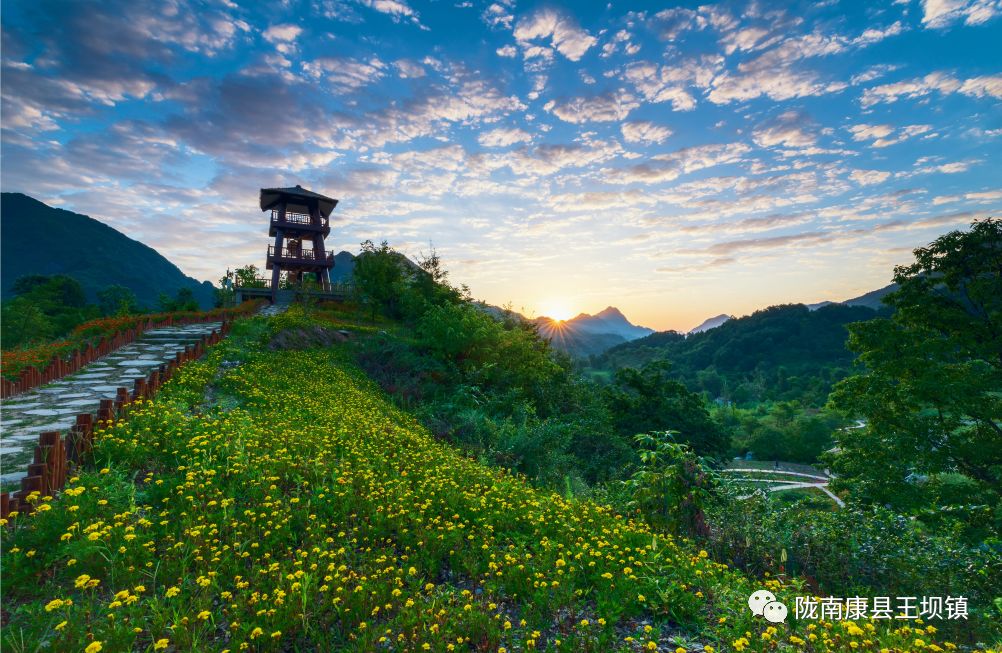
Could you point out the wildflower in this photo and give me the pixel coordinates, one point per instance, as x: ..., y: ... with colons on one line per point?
x: 161, y: 644
x: 93, y: 647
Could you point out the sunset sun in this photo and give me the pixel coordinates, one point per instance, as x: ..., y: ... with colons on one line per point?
x: 556, y: 309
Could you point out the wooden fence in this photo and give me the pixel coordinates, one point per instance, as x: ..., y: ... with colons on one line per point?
x: 56, y: 455
x: 60, y: 366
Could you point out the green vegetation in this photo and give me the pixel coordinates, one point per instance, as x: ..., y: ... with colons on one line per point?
x: 44, y: 309
x: 40, y: 240
x: 932, y: 393
x: 244, y: 509
x: 781, y: 353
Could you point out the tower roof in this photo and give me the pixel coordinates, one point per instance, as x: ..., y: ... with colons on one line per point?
x: 296, y: 197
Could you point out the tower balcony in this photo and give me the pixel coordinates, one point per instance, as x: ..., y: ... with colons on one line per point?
x: 298, y: 223
x: 302, y: 259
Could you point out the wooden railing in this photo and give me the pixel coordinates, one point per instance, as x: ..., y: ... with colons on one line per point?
x: 307, y: 255
x: 63, y: 365
x: 300, y: 219
x: 56, y: 454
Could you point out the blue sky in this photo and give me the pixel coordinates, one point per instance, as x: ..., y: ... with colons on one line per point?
x: 674, y: 160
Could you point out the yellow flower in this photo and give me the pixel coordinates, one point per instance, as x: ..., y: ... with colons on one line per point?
x: 93, y: 647
x: 161, y: 644
x: 204, y: 614
x: 54, y: 604
x: 61, y: 625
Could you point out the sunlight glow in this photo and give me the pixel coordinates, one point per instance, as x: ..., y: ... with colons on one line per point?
x: 556, y: 309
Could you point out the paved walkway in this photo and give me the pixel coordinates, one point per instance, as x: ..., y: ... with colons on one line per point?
x: 54, y: 407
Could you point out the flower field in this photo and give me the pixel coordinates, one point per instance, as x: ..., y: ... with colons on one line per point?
x: 293, y: 508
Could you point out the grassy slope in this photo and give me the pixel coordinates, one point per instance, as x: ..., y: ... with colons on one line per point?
x: 304, y: 512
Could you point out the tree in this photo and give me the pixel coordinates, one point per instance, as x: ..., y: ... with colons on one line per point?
x: 647, y: 400
x: 931, y: 397
x: 117, y: 300
x: 183, y: 301
x: 379, y: 277
x: 60, y: 298
x: 23, y: 323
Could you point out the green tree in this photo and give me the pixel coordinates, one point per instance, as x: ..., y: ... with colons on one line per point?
x: 931, y: 397
x: 23, y: 323
x: 379, y: 278
x: 673, y: 486
x: 60, y: 298
x: 647, y: 400
x: 117, y: 300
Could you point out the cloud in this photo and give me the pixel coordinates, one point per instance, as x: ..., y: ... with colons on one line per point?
x: 869, y: 177
x: 644, y: 131
x: 565, y: 35
x: 507, y: 51
x: 503, y: 137
x: 943, y: 13
x: 608, y: 107
x: 669, y: 24
x: 789, y: 129
x: 396, y: 9
x: 982, y: 197
x: 943, y: 83
x: 345, y: 73
x: 667, y: 167
x: 668, y: 83
x: 498, y: 15
x: 282, y: 33
x: 886, y: 135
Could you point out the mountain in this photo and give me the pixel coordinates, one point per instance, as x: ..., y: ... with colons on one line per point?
x: 778, y: 353
x: 872, y: 299
x: 39, y: 239
x: 609, y: 320
x: 585, y: 335
x: 711, y: 323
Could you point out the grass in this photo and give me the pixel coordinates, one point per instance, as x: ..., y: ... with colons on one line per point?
x: 313, y: 515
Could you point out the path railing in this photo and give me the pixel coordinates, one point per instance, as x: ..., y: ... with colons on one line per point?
x: 66, y: 364
x: 56, y: 455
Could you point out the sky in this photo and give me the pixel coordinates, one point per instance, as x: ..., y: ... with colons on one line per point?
x: 677, y: 161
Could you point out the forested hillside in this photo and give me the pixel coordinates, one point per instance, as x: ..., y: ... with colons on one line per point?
x: 36, y: 239
x: 779, y: 353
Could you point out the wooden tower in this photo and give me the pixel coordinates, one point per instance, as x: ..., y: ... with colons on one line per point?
x: 299, y: 217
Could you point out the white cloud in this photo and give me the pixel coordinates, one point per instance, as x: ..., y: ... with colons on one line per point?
x: 508, y: 51
x: 886, y: 135
x: 565, y: 35
x: 497, y: 15
x: 408, y: 69
x: 608, y: 107
x: 346, y: 73
x: 869, y: 177
x: 396, y: 9
x: 943, y: 83
x: 503, y: 137
x: 942, y: 13
x: 279, y: 33
x: 667, y: 167
x: 788, y: 129
x: 644, y: 131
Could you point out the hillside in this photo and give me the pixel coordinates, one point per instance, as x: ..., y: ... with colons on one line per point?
x: 38, y: 239
x: 782, y: 352
x: 221, y: 520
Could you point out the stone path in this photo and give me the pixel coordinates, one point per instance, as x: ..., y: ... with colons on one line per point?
x: 54, y: 407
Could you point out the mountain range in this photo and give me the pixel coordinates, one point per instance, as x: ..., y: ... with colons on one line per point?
x: 38, y: 239
x: 586, y: 334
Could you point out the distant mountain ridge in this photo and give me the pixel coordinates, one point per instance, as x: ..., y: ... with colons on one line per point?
x: 711, y: 323
x: 585, y: 335
x: 38, y: 239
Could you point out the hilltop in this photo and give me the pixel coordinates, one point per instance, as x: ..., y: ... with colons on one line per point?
x: 37, y: 239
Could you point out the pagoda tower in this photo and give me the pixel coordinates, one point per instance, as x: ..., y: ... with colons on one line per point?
x: 300, y: 221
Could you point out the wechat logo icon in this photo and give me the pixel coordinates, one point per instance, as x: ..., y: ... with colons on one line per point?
x: 763, y: 603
